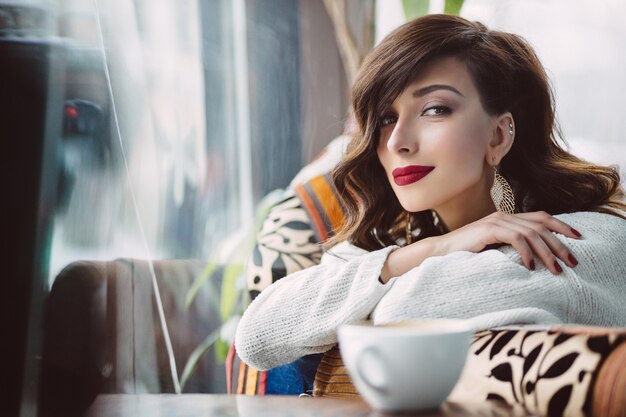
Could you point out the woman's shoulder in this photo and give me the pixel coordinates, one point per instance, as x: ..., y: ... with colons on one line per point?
x: 608, y: 217
x: 597, y: 226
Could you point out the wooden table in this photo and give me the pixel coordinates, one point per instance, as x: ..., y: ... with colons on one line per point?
x: 218, y: 405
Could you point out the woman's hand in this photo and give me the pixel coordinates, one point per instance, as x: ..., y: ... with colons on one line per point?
x: 529, y: 233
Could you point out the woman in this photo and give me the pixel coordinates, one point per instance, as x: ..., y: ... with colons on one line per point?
x: 459, y: 203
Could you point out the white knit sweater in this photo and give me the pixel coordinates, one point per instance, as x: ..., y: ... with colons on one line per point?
x: 299, y: 314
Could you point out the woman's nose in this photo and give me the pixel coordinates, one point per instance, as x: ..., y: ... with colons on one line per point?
x: 403, y: 139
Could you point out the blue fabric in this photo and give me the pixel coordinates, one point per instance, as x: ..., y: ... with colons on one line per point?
x: 294, y: 378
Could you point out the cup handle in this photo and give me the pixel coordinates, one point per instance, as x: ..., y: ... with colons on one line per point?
x: 375, y: 378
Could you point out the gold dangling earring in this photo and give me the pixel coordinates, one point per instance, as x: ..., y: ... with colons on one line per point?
x: 409, y: 230
x: 501, y: 192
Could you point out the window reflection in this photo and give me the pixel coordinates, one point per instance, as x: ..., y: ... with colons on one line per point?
x: 155, y: 132
x: 137, y: 182
x: 134, y: 99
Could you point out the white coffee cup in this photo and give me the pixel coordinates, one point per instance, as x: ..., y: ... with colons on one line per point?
x: 408, y: 366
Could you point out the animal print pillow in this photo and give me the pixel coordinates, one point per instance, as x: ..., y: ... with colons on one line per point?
x: 551, y: 372
x: 285, y: 244
x: 291, y: 237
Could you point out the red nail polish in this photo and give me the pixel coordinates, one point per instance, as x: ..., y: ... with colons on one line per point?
x: 576, y: 232
x: 532, y: 264
x: 572, y: 260
x: 557, y: 267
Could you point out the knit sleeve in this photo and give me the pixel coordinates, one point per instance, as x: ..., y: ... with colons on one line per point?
x: 299, y: 314
x: 493, y: 288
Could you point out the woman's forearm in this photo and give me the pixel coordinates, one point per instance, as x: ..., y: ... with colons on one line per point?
x: 402, y: 260
x: 299, y: 314
x: 493, y: 287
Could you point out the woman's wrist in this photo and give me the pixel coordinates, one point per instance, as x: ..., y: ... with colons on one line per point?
x: 404, y: 259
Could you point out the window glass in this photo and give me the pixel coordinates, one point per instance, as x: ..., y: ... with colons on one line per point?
x: 176, y: 118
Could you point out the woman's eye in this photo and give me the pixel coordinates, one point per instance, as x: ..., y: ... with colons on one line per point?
x: 437, y: 111
x: 388, y: 120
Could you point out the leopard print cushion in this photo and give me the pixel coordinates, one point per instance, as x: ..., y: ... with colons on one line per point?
x: 285, y: 244
x: 550, y: 372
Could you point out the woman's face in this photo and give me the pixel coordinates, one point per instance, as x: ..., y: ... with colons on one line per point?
x: 434, y: 142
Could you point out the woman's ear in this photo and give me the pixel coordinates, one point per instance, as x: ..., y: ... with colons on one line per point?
x: 502, y: 139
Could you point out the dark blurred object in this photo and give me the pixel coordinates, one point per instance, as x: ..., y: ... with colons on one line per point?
x: 31, y: 72
x: 102, y: 332
x: 85, y: 146
x: 82, y: 118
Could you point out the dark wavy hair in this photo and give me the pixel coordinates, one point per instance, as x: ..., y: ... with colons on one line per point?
x: 509, y: 77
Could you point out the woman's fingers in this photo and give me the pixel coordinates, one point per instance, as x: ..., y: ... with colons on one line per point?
x: 551, y: 223
x: 529, y: 243
x: 558, y: 248
x: 536, y: 233
x: 519, y: 242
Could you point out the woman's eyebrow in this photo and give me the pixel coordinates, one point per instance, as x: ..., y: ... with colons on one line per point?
x: 430, y: 88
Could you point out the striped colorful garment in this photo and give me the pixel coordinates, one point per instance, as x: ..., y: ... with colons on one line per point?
x: 319, y: 199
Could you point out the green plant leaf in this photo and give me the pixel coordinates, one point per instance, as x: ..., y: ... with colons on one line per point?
x: 221, y: 350
x: 197, y: 354
x: 453, y: 7
x: 233, y: 296
x: 266, y: 204
x: 230, y: 290
x: 207, y: 273
x: 415, y: 8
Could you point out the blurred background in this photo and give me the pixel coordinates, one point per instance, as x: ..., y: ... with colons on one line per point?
x: 153, y: 129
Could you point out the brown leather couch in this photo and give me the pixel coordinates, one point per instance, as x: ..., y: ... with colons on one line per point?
x: 102, y: 332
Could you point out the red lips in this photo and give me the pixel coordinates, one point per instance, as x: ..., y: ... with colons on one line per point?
x: 410, y: 174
